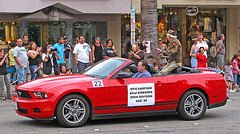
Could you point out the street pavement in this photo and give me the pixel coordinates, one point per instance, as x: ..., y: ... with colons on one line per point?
x: 220, y: 120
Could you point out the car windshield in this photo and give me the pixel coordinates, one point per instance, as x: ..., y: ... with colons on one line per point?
x: 104, y: 68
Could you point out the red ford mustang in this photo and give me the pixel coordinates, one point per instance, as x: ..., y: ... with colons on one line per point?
x: 106, y: 90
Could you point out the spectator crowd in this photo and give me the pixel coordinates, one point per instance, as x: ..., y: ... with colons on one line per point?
x: 25, y: 56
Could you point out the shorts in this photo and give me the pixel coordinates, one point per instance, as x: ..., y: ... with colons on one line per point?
x: 220, y: 60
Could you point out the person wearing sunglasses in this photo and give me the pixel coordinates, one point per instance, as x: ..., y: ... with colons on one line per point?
x: 163, y: 47
x: 109, y: 50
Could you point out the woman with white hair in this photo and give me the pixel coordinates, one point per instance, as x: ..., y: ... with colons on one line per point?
x: 97, y: 50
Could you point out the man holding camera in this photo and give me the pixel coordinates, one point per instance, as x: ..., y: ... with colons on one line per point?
x: 50, y: 66
x: 59, y: 48
x: 174, y: 54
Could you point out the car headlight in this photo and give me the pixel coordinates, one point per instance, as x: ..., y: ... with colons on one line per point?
x: 40, y: 95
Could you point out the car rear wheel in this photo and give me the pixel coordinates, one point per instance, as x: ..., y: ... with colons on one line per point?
x: 72, y: 111
x: 192, y: 105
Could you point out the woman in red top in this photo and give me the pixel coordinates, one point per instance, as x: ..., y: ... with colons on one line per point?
x: 201, y: 58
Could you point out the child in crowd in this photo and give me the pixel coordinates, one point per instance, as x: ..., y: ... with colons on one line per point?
x: 235, y: 70
x: 201, y: 58
x: 229, y: 75
x: 39, y: 70
x: 64, y: 70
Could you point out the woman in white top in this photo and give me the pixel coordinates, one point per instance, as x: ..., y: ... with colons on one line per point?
x: 202, y: 43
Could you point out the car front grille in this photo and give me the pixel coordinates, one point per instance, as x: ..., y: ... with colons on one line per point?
x: 23, y: 94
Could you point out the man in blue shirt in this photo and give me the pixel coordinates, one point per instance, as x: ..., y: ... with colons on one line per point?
x: 142, y: 70
x: 60, y: 51
x: 68, y: 50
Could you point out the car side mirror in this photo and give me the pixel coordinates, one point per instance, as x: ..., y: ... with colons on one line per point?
x: 124, y: 75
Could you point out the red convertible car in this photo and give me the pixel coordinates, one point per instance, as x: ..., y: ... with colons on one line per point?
x: 106, y: 90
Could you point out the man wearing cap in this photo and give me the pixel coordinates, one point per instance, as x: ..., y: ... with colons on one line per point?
x: 220, y: 51
x: 50, y: 66
x: 174, y: 54
x: 68, y: 49
x: 60, y: 51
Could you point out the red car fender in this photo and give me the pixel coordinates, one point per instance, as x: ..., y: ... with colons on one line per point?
x: 72, y: 91
x: 195, y: 86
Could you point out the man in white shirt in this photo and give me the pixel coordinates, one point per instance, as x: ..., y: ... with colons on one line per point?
x: 202, y: 43
x: 82, y: 54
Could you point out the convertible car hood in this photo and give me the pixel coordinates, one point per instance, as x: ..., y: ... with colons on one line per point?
x: 54, y: 81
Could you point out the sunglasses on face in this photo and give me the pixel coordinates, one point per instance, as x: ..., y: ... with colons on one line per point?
x: 159, y: 40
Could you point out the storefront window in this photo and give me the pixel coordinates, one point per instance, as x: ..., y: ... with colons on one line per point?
x: 9, y: 31
x: 169, y: 19
x: 208, y: 22
x: 44, y: 33
x: 87, y: 29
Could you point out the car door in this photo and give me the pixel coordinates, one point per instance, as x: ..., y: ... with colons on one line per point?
x: 137, y: 94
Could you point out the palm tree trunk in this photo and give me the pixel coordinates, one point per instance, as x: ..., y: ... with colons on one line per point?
x: 149, y: 28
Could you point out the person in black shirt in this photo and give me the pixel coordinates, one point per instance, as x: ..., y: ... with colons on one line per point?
x: 3, y: 74
x: 97, y: 49
x: 109, y: 50
x: 138, y: 55
x: 25, y: 45
x: 25, y: 42
x: 35, y: 55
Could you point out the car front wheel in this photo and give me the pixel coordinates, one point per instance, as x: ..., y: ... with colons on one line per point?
x: 72, y: 111
x: 192, y: 105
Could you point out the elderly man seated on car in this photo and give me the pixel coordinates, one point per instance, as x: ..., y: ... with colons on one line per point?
x: 142, y: 70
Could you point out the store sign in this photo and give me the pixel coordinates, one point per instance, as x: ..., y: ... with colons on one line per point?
x: 191, y: 11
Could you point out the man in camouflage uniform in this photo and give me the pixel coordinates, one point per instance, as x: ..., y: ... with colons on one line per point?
x: 174, y: 54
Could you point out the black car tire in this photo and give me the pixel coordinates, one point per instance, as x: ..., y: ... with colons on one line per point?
x: 192, y: 105
x: 72, y: 111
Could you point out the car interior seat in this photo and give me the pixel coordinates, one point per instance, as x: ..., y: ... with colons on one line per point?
x: 151, y: 69
x: 133, y: 68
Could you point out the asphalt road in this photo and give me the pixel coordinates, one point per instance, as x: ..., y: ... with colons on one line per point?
x: 220, y: 120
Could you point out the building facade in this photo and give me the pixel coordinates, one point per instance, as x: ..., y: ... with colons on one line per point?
x: 190, y: 18
x: 45, y: 20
